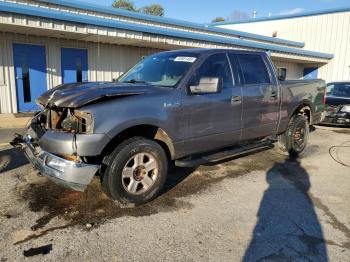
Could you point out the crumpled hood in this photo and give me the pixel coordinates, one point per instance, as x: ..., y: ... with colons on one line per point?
x: 78, y: 94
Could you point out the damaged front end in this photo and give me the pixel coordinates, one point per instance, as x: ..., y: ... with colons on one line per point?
x: 337, y: 115
x: 61, y: 141
x: 50, y: 144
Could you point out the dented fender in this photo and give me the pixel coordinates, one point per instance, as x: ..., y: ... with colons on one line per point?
x: 63, y: 143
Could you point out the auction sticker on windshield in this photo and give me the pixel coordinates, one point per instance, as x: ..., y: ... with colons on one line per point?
x: 187, y: 59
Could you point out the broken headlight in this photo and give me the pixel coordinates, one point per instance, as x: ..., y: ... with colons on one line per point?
x: 78, y: 121
x: 55, y: 163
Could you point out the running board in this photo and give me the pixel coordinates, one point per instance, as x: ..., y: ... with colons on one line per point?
x: 224, y: 154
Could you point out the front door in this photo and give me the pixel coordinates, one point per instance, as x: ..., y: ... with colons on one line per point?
x: 74, y: 65
x: 30, y: 74
x: 212, y: 120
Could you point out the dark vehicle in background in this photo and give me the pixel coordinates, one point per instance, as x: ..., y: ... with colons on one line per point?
x: 337, y: 101
x: 187, y: 107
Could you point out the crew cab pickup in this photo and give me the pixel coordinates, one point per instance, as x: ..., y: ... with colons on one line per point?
x: 187, y: 107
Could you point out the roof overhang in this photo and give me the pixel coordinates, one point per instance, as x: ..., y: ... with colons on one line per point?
x: 175, y: 23
x: 280, y: 17
x: 52, y: 23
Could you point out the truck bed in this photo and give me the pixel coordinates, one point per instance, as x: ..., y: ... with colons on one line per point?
x: 309, y: 90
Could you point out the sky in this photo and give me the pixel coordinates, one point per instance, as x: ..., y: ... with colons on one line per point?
x: 203, y: 11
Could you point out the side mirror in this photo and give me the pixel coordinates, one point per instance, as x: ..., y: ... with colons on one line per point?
x: 207, y: 85
x: 282, y: 74
x: 282, y: 78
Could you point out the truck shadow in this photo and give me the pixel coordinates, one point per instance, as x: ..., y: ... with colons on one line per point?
x: 288, y: 228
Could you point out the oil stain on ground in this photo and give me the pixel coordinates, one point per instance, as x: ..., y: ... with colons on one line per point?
x: 93, y: 207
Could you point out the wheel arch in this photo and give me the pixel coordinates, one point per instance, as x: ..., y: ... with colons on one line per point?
x: 144, y: 130
x: 304, y: 108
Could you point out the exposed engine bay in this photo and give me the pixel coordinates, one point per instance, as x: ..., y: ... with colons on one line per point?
x: 63, y: 119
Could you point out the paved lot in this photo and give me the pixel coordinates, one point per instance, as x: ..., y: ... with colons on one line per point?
x: 19, y: 120
x: 262, y: 207
x: 6, y: 134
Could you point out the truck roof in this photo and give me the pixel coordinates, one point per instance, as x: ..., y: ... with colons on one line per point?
x: 214, y: 50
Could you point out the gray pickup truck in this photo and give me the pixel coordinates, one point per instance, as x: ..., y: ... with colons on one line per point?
x: 187, y: 107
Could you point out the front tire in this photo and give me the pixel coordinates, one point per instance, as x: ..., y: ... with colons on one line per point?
x: 294, y: 140
x: 135, y: 172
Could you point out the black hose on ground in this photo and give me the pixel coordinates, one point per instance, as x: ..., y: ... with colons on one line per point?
x: 337, y: 158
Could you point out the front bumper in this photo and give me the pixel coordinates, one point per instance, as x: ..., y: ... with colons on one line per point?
x: 66, y: 173
x: 336, y: 118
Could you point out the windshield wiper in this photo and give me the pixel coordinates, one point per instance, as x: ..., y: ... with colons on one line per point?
x: 134, y: 81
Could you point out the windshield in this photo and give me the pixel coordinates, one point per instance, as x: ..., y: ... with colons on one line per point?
x: 164, y: 69
x: 339, y: 89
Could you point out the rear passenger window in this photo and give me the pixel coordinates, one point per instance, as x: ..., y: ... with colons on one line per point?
x: 253, y: 69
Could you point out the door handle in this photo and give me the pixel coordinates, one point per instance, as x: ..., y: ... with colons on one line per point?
x: 236, y: 100
x: 274, y: 94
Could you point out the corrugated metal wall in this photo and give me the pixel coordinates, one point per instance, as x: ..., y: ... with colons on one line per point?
x: 105, y: 62
x: 328, y: 33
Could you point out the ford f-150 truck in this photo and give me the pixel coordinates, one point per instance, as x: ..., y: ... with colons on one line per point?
x: 187, y: 107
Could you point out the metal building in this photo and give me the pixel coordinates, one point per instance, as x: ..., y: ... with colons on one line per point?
x: 327, y: 31
x: 44, y: 43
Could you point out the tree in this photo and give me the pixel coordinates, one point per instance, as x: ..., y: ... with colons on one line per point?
x: 218, y: 19
x: 124, y: 4
x: 154, y: 9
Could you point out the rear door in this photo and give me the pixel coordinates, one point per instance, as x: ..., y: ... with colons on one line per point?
x: 260, y: 96
x: 74, y: 65
x: 212, y: 120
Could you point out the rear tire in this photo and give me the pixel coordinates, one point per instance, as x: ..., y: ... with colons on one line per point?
x: 135, y: 172
x: 294, y: 140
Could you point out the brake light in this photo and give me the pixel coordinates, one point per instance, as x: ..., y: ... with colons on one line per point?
x: 324, y: 97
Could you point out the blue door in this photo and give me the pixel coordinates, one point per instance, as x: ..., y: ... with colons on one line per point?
x: 30, y: 73
x: 74, y: 65
x: 310, y: 73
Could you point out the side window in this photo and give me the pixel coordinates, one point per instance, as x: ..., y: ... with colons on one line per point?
x: 330, y: 90
x: 253, y: 69
x: 216, y: 66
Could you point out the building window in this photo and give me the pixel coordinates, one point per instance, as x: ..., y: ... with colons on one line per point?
x: 282, y: 73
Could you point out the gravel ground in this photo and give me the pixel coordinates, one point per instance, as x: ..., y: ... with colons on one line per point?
x: 261, y: 207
